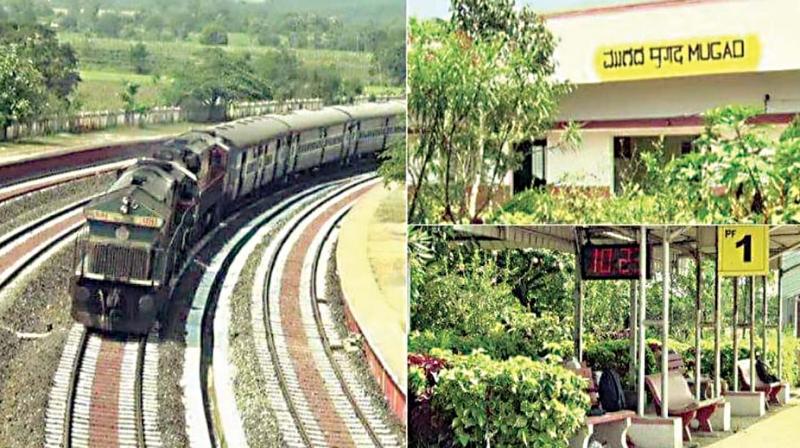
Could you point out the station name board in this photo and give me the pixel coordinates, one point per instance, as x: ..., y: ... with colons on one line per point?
x: 612, y: 262
x: 681, y: 57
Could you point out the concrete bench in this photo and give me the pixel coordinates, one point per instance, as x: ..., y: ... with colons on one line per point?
x: 682, y: 403
x: 771, y: 389
x: 610, y: 429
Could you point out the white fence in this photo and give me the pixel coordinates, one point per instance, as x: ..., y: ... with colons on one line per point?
x: 98, y: 120
x: 361, y: 99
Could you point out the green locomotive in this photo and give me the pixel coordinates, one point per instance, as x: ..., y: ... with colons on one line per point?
x: 138, y: 234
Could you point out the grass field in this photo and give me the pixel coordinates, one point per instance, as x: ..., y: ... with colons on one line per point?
x: 112, y: 55
x: 100, y: 90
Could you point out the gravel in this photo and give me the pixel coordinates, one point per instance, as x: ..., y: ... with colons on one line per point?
x: 32, y: 206
x: 358, y: 358
x: 39, y: 304
x: 258, y: 419
x: 171, y: 351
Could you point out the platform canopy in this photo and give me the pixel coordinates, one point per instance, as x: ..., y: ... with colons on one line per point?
x: 664, y: 243
x: 684, y: 239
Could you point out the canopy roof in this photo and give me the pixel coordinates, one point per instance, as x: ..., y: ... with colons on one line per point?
x: 684, y: 241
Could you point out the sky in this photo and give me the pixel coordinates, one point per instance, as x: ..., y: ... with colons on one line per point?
x: 440, y: 8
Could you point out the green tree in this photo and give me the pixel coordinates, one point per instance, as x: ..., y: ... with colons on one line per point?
x: 391, y: 59
x: 23, y: 89
x: 284, y: 70
x: 56, y: 62
x: 393, y: 164
x: 214, y: 34
x: 131, y: 105
x: 108, y: 24
x: 738, y: 173
x: 217, y: 79
x: 140, y: 58
x: 478, y: 83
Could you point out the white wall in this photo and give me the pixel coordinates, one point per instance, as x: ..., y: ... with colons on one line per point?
x: 774, y: 22
x: 590, y: 165
x: 661, y: 98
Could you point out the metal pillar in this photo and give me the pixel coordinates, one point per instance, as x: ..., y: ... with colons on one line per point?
x: 665, y: 326
x: 752, y: 334
x: 764, y: 312
x: 642, y: 315
x: 698, y: 320
x: 735, y: 332
x: 780, y: 322
x: 717, y: 325
x: 634, y: 328
x: 578, y: 337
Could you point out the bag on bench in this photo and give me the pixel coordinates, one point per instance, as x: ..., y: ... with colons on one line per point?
x: 612, y: 397
x: 764, y: 373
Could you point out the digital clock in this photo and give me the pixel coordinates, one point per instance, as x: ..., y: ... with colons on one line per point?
x: 611, y: 262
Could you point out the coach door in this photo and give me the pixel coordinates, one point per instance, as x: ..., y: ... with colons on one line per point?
x: 293, y: 152
x: 242, y: 168
x: 345, y: 143
x: 280, y: 160
x: 385, y: 133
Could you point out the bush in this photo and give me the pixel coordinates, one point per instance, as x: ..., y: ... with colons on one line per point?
x: 615, y: 355
x: 430, y: 428
x: 791, y: 369
x: 468, y: 305
x: 514, y: 333
x: 739, y: 173
x: 214, y: 34
x: 517, y: 402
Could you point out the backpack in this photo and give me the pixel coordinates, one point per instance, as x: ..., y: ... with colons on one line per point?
x: 612, y: 397
x: 763, y: 372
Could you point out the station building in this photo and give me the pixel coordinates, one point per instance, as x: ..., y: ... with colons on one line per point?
x: 649, y: 70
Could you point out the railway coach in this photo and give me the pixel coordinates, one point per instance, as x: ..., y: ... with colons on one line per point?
x: 139, y: 232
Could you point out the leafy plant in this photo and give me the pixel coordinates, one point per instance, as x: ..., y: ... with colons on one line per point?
x: 393, y: 164
x: 739, y: 173
x: 478, y: 84
x: 516, y: 402
x: 23, y: 95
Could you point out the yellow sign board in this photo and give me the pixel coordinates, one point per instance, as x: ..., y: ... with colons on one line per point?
x: 680, y: 57
x: 743, y: 250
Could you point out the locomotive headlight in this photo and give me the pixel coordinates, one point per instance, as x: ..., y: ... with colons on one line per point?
x: 147, y: 304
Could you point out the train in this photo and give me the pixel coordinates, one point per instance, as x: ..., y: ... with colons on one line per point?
x: 138, y: 233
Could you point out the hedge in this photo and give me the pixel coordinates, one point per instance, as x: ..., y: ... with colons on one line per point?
x: 515, y: 333
x: 515, y: 402
x: 615, y: 355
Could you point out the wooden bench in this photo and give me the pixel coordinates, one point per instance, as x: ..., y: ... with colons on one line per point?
x: 681, y: 402
x: 610, y: 429
x: 771, y: 390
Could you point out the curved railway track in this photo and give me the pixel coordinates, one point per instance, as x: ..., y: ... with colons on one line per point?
x: 104, y: 393
x: 23, y: 246
x: 18, y: 190
x: 321, y: 401
x: 318, y: 402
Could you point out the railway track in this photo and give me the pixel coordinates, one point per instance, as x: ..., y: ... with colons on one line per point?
x: 21, y: 247
x: 104, y: 393
x: 348, y: 415
x: 315, y: 393
x: 18, y: 190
